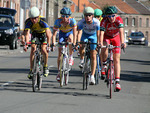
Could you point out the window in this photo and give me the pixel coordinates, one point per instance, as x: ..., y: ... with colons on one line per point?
x: 126, y: 21
x: 133, y: 22
x: 140, y: 22
x: 147, y: 22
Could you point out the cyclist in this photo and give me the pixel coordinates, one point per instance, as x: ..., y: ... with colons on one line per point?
x: 40, y: 29
x: 67, y: 29
x: 88, y: 28
x: 112, y: 31
x: 98, y: 14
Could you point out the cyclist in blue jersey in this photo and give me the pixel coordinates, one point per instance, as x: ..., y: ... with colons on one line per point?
x: 67, y: 29
x: 39, y: 29
x: 89, y: 28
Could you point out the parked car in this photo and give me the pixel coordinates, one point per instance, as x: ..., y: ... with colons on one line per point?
x: 57, y: 36
x: 136, y: 38
x: 8, y: 28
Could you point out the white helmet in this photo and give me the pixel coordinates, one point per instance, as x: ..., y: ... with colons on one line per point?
x: 34, y: 12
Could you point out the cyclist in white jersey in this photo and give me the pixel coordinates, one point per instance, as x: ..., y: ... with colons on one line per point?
x: 89, y: 28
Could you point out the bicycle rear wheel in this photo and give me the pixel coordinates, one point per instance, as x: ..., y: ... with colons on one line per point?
x: 35, y: 74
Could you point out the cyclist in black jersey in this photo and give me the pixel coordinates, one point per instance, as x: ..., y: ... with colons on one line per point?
x: 39, y: 29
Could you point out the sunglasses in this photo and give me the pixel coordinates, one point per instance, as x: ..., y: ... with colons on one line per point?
x: 88, y: 15
x: 65, y: 16
x: 97, y: 16
x: 35, y: 17
x: 109, y: 16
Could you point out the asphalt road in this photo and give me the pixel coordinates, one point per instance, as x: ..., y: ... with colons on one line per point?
x: 16, y: 94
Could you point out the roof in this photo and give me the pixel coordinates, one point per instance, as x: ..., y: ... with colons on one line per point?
x: 139, y: 6
x: 83, y: 3
x: 122, y: 6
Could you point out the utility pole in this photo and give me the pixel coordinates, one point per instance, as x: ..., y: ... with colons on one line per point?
x: 78, y: 5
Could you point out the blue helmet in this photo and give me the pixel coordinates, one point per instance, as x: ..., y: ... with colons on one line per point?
x: 65, y: 11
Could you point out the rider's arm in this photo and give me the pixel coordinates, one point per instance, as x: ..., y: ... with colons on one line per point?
x: 74, y: 35
x: 27, y: 35
x: 54, y: 36
x: 48, y: 35
x: 98, y: 35
x: 79, y: 33
x: 121, y: 31
x: 101, y: 37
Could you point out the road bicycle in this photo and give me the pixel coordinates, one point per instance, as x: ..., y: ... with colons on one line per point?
x: 86, y: 70
x: 110, y: 76
x: 38, y: 65
x: 64, y: 66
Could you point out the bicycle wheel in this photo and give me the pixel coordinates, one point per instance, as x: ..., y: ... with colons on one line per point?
x: 111, y: 74
x: 39, y: 77
x: 97, y: 73
x: 35, y: 74
x: 61, y: 69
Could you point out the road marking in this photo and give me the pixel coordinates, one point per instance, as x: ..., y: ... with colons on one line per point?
x: 51, y: 66
x: 6, y: 84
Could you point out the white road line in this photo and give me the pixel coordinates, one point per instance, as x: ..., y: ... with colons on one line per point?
x: 51, y: 66
x: 7, y: 83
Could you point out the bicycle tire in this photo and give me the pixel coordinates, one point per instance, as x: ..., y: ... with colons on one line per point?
x: 98, y: 72
x: 84, y: 81
x: 111, y: 78
x: 61, y: 70
x: 35, y: 72
x: 39, y: 77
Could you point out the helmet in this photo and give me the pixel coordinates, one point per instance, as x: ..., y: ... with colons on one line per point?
x: 98, y: 12
x: 65, y: 11
x: 111, y: 10
x: 34, y: 12
x: 88, y: 10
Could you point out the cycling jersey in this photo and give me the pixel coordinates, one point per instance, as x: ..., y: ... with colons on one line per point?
x: 89, y: 31
x: 111, y: 35
x: 39, y: 27
x: 111, y: 29
x: 59, y: 25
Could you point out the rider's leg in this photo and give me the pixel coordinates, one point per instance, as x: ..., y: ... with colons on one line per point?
x: 45, y: 57
x: 70, y: 39
x: 58, y: 63
x: 33, y: 48
x: 93, y: 63
x: 81, y: 51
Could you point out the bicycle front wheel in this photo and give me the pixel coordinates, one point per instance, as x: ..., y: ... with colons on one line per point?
x: 35, y: 74
x: 61, y: 70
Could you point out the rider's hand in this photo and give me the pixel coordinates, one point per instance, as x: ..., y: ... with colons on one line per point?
x: 52, y: 47
x: 25, y: 47
x: 123, y: 45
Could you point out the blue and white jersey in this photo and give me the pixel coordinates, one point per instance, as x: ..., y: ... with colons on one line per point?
x: 89, y: 29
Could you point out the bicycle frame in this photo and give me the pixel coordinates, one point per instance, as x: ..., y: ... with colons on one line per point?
x: 110, y: 76
x: 37, y: 68
x: 64, y: 64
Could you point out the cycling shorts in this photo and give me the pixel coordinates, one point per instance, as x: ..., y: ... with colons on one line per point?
x: 39, y: 37
x: 115, y: 41
x: 63, y: 35
x: 93, y: 39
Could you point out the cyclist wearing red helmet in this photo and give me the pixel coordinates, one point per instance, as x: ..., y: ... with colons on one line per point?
x: 112, y: 31
x: 67, y: 28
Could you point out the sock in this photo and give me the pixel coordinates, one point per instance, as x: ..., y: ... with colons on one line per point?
x: 117, y: 79
x: 82, y: 60
x: 45, y: 65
